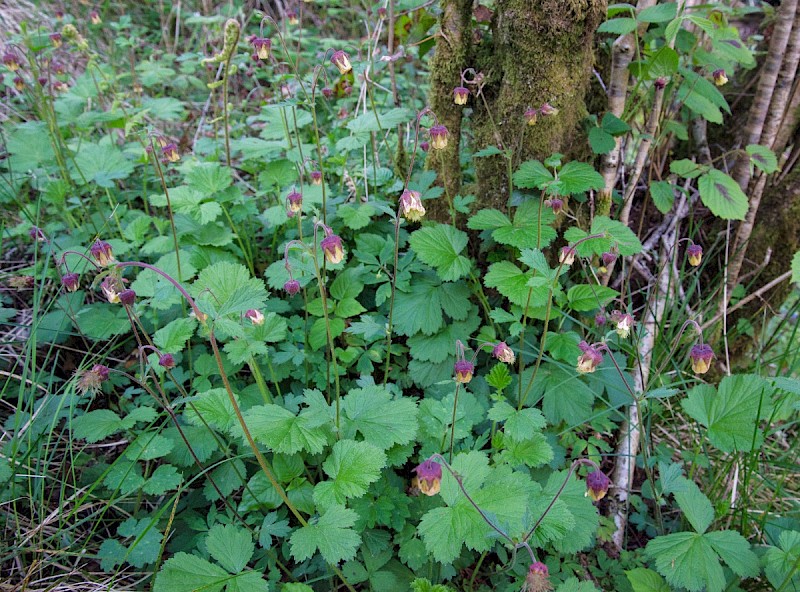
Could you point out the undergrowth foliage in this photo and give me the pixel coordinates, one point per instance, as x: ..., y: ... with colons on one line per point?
x: 255, y: 363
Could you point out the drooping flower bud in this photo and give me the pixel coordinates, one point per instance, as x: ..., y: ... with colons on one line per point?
x: 94, y: 17
x: 531, y: 115
x: 438, y: 135
x: 463, y: 370
x: 597, y: 485
x: 600, y: 319
x: 56, y: 40
x: 424, y: 146
x: 255, y: 316
x: 502, y: 352
x: 660, y: 83
x: 695, y: 254
x: 538, y: 578
x: 166, y: 361
x: 170, y: 152
x: 262, y: 47
x: 102, y: 253
x: 701, y: 356
x: 291, y: 287
x: 316, y: 177
x: 460, y: 95
x: 295, y: 201
x: 327, y: 92
x: 19, y: 83
x: 623, y: 321
x: 556, y: 203
x: 411, y: 205
x: 608, y: 258
x: 719, y: 77
x: 590, y: 359
x: 127, y: 297
x: 429, y: 477
x: 37, y: 234
x: 332, y: 247
x: 341, y: 60
x: 291, y: 17
x: 71, y: 281
x: 567, y: 255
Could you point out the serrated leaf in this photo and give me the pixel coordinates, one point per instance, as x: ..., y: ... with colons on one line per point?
x: 519, y: 425
x: 285, y: 432
x: 440, y: 247
x: 532, y: 174
x: 102, y: 164
x: 172, y: 337
x: 566, y: 398
x: 662, y: 194
x: 96, y: 425
x: 646, y: 580
x: 164, y: 478
x: 601, y: 141
x: 664, y: 63
x: 687, y: 560
x: 614, y: 125
x: 618, y: 26
x: 227, y: 288
x: 660, y: 13
x: 722, y: 195
x: 586, y: 297
x: 332, y: 535
x: 763, y: 158
x: 352, y: 466
x: 695, y: 505
x: 148, y: 446
x: 576, y: 177
x: 781, y: 561
x: 188, y: 573
x: 231, y: 546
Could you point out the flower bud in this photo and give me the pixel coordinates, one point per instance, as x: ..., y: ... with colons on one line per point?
x: 291, y: 17
x: 660, y: 82
x: 556, y: 203
x: 567, y: 255
x: 424, y: 146
x: 600, y: 319
x: 464, y: 370
x: 170, y: 152
x: 316, y: 177
x: 590, y: 359
x: 255, y: 316
x: 597, y: 485
x: 292, y: 287
x: 719, y: 77
x: 102, y: 253
x: 429, y: 477
x: 624, y: 323
x: 547, y: 109
x: 37, y: 234
x: 19, y: 83
x: 94, y: 17
x: 342, y: 61
x: 327, y: 92
x: 502, y: 352
x: 701, y: 356
x: 71, y: 281
x: 127, y: 297
x: 56, y: 39
x: 460, y: 95
x: 332, y: 247
x: 411, y: 205
x: 166, y: 361
x: 608, y: 258
x: 295, y: 201
x: 695, y: 254
x: 262, y: 47
x: 438, y: 135
x: 530, y: 116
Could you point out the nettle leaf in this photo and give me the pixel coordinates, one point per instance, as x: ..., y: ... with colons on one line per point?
x: 532, y: 174
x: 331, y: 534
x: 231, y: 546
x: 440, y: 247
x: 586, y: 297
x: 722, y: 195
x: 763, y: 158
x: 520, y: 425
x: 422, y: 307
x: 227, y: 288
x: 731, y: 415
x: 352, y: 466
x: 285, y: 432
x: 188, y: 573
x: 781, y: 561
x: 523, y: 233
x: 576, y: 177
x: 646, y: 580
x: 662, y: 194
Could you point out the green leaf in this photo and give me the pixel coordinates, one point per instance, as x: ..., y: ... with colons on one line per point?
x: 573, y: 584
x: 369, y: 122
x: 618, y: 26
x: 188, y: 573
x: 352, y: 466
x: 722, y: 195
x: 662, y: 194
x: 532, y: 174
x: 622, y: 237
x: 332, y: 534
x: 212, y: 407
x: 695, y: 505
x: 614, y: 125
x: 566, y: 398
x: 686, y: 168
x: 96, y: 425
x: 512, y: 282
x: 149, y: 446
x: 172, y: 337
x: 101, y: 164
x: 524, y: 231
x: 519, y: 425
x: 660, y: 13
x: 646, y: 580
x: 735, y: 551
x: 231, y: 546
x: 576, y: 177
x: 499, y: 377
x: 586, y: 297
x: 439, y: 347
x: 781, y: 561
x: 164, y: 478
x: 356, y: 216
x: 487, y: 219
x: 318, y: 336
x: 440, y: 247
x: 601, y: 141
x: 285, y: 432
x: 421, y: 308
x: 796, y: 268
x: 731, y: 415
x: 763, y: 158
x: 664, y: 63
x: 687, y: 560
x: 227, y: 288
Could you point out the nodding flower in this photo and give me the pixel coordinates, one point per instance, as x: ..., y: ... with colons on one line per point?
x: 438, y: 135
x: 503, y: 353
x: 11, y: 61
x: 547, y: 109
x: 623, y: 321
x: 94, y: 17
x: 56, y: 39
x: 341, y: 60
x: 19, y: 83
x: 292, y: 287
x: 295, y: 201
x: 701, y: 356
x: 464, y: 370
x: 110, y: 289
x: 256, y: 316
x: 597, y: 485
x: 332, y: 247
x: 71, y: 281
x: 556, y: 203
x: 316, y: 177
x: 262, y: 47
x: 460, y: 95
x: 170, y: 152
x: 567, y: 255
x: 102, y: 253
x: 695, y: 254
x: 291, y: 16
x: 719, y: 77
x: 590, y: 359
x: 411, y: 205
x: 531, y: 115
x: 429, y: 477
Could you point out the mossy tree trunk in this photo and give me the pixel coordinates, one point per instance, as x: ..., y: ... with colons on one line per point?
x: 534, y: 52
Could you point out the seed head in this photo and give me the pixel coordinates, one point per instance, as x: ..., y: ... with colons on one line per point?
x: 538, y: 578
x: 90, y: 381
